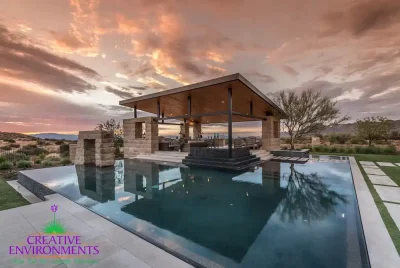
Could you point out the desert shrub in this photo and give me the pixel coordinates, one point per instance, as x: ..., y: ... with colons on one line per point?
x: 64, y: 148
x: 24, y: 164
x: 32, y: 150
x: 389, y: 149
x: 59, y: 142
x: 38, y: 161
x: 317, y: 148
x: 53, y: 158
x: 341, y: 150
x: 357, y: 140
x: 339, y: 138
x: 325, y: 149
x: 65, y: 161
x: 47, y: 163
x: 42, y: 156
x: 358, y: 149
x: 2, y: 159
x: 371, y: 150
x: 5, y: 165
x: 333, y: 149
x: 10, y: 174
x: 40, y: 142
x: 6, y: 148
x: 10, y: 140
x: 14, y: 145
x: 15, y: 157
x: 349, y: 150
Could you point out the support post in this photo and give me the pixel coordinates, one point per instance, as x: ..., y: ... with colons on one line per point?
x: 162, y: 115
x: 135, y: 111
x: 158, y: 109
x: 230, y: 122
x: 189, y: 111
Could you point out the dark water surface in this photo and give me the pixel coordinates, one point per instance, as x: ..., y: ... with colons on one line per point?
x: 276, y: 215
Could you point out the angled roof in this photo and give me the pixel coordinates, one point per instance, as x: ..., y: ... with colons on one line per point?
x: 209, y: 97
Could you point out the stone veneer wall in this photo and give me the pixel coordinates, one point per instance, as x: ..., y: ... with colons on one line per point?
x: 134, y: 143
x: 269, y: 142
x: 185, y: 129
x: 134, y: 176
x: 271, y: 175
x: 95, y: 147
x: 72, y: 152
x: 196, y: 130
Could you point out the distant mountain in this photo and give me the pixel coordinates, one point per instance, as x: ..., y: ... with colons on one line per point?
x: 346, y: 128
x: 56, y: 136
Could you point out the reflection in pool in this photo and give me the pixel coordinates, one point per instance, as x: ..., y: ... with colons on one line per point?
x: 275, y: 215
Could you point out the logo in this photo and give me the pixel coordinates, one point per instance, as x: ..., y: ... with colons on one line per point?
x: 54, y: 245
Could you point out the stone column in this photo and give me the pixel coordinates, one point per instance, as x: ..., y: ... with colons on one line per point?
x: 270, y: 133
x: 95, y: 147
x: 135, y: 141
x: 185, y: 130
x: 196, y: 130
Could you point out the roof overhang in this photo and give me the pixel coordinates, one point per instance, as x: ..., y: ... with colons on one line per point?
x: 209, y: 101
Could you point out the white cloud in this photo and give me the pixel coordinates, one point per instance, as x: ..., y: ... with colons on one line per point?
x: 387, y: 91
x: 351, y: 95
x: 119, y: 75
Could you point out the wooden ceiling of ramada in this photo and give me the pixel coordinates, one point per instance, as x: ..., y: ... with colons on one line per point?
x: 208, y: 99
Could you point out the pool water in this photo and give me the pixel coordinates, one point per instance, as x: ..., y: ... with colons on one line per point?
x: 274, y: 215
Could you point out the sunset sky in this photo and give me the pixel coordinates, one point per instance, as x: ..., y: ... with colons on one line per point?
x: 65, y: 65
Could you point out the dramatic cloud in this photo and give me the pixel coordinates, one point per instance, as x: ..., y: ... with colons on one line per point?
x: 37, y: 112
x: 290, y: 70
x: 120, y: 93
x: 262, y: 77
x: 23, y: 60
x: 363, y: 16
x: 94, y: 53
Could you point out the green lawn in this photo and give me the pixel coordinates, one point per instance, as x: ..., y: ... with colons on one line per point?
x: 394, y: 174
x: 9, y: 198
x: 368, y: 157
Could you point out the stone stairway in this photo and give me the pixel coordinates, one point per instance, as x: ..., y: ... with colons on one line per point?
x: 177, y: 157
x: 164, y: 156
x: 263, y: 155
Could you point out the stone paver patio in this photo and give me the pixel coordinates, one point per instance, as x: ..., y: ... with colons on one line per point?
x: 385, y: 164
x: 374, y: 171
x: 391, y: 194
x: 394, y: 210
x: 118, y: 247
x: 367, y: 163
x: 382, y: 180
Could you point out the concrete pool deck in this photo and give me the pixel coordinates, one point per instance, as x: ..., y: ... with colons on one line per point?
x: 118, y: 247
x: 381, y: 250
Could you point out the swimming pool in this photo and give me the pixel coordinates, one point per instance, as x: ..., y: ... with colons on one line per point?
x: 274, y: 215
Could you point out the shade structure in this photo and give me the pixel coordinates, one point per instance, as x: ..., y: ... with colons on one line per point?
x: 208, y: 102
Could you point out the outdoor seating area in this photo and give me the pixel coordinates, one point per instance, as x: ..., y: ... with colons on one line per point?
x: 226, y: 99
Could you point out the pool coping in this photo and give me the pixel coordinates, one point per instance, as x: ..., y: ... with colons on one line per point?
x: 381, y: 250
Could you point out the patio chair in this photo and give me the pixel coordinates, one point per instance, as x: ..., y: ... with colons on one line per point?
x: 251, y: 143
x: 237, y: 143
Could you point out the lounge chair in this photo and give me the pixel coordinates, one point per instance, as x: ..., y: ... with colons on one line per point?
x: 251, y: 143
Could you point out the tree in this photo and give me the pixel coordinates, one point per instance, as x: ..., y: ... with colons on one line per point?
x: 116, y: 128
x: 373, y: 128
x: 308, y: 197
x: 308, y: 113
